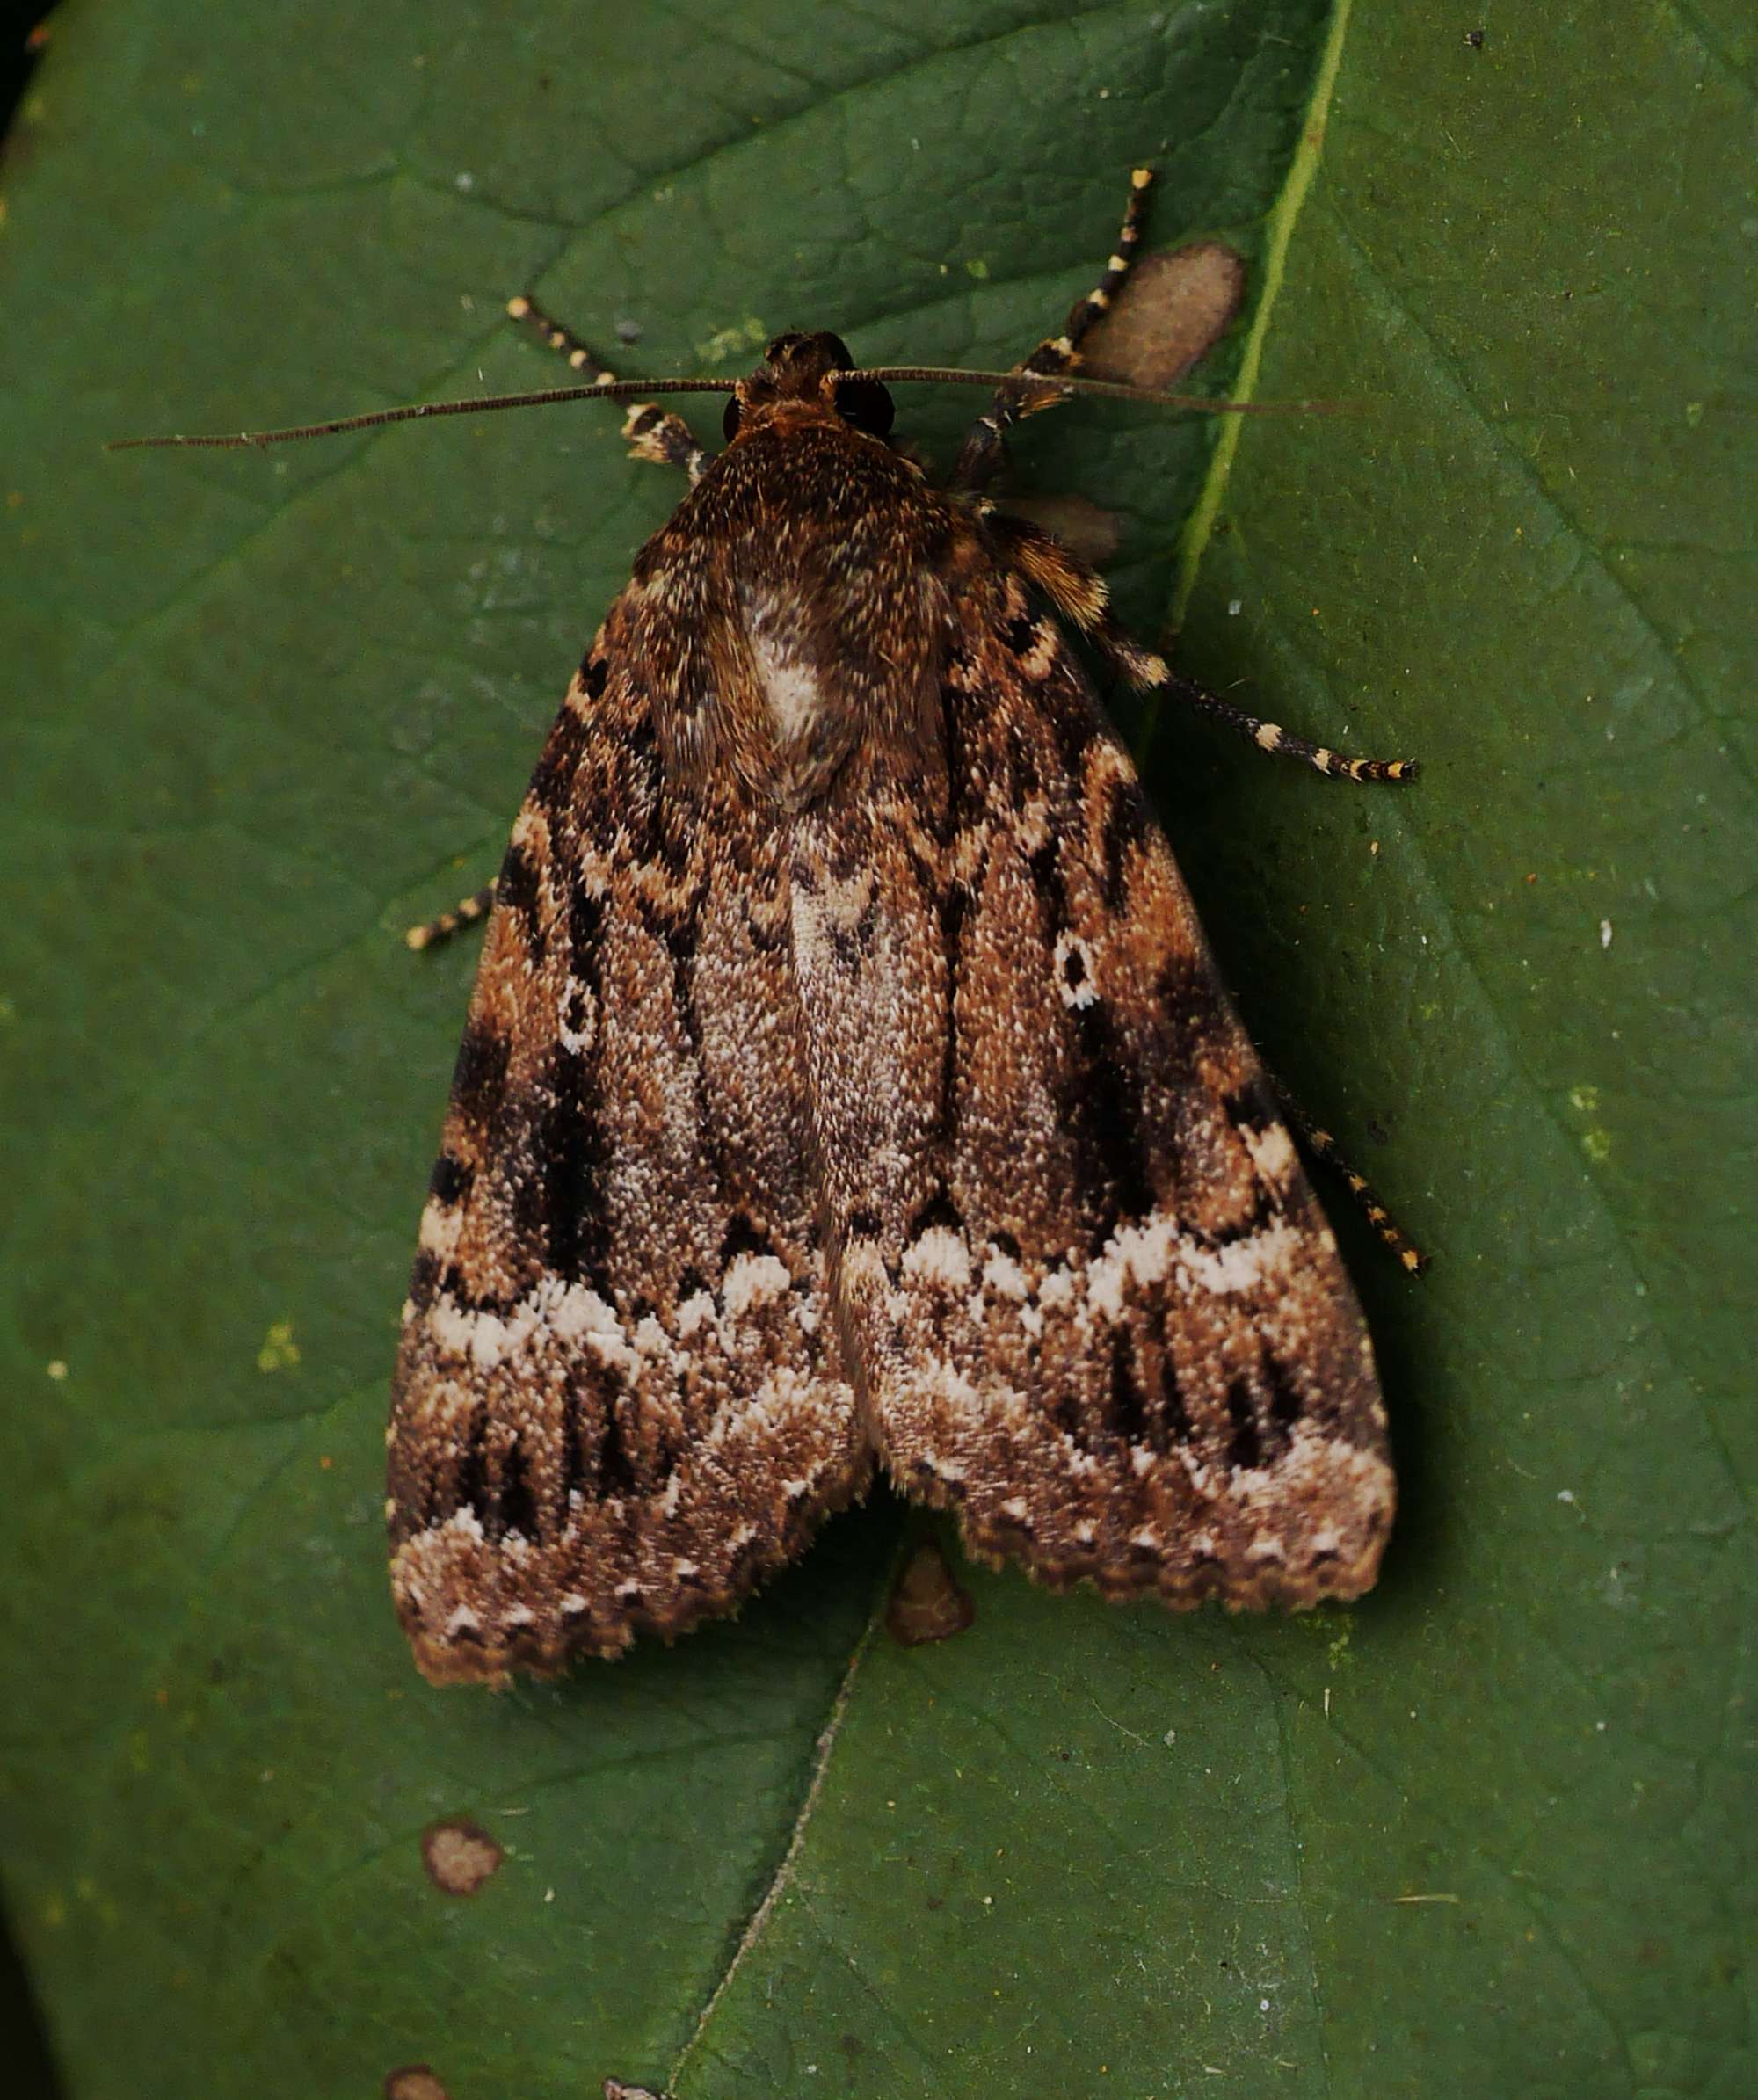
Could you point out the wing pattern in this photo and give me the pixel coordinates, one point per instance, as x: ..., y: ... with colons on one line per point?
x: 1098, y: 1309
x: 618, y: 1402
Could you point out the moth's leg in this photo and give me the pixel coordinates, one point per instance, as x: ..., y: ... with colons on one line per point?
x: 1283, y: 744
x: 466, y: 913
x: 1323, y: 1146
x: 986, y: 449
x: 654, y: 433
x: 1079, y: 593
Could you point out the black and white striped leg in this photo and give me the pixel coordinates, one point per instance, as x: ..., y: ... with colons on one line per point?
x: 1283, y: 744
x: 653, y: 432
x: 1323, y: 1146
x: 985, y: 451
x: 1080, y: 594
x: 466, y: 913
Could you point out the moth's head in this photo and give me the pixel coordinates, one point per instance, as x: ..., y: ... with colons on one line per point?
x: 809, y: 369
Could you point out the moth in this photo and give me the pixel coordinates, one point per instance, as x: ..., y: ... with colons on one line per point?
x: 847, y: 1086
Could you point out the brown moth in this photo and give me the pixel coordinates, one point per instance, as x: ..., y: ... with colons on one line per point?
x: 847, y: 1085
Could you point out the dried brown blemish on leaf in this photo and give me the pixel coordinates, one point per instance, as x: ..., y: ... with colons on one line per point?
x: 1174, y: 311
x: 616, y: 2089
x: 1083, y: 528
x: 459, y: 1856
x: 928, y: 1604
x: 414, y: 2081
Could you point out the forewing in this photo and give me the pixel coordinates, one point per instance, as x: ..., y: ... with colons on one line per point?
x: 617, y: 1402
x: 1093, y: 1299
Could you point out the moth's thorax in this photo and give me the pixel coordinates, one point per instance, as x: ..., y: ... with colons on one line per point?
x: 798, y: 688
x: 800, y: 599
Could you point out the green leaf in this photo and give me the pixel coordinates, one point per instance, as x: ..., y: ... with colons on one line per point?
x: 1481, y: 1834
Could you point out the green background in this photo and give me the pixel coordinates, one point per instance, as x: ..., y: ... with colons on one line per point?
x: 1488, y: 1833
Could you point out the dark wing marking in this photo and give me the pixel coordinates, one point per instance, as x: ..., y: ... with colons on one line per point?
x: 1096, y: 1308
x: 617, y: 1402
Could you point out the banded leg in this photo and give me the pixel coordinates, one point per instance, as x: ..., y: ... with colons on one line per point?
x: 1283, y: 744
x: 985, y: 450
x: 465, y: 913
x: 1079, y: 593
x: 1323, y: 1146
x: 654, y: 433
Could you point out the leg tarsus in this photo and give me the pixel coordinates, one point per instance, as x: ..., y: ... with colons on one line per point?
x: 466, y: 913
x: 1283, y: 744
x: 985, y: 451
x: 525, y: 310
x: 654, y: 432
x: 1322, y: 1145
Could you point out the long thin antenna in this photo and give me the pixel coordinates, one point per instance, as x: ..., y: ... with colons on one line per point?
x: 1109, y: 389
x: 620, y: 389
x: 633, y: 389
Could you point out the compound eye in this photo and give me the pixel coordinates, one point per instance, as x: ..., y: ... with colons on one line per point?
x: 728, y: 422
x: 866, y: 404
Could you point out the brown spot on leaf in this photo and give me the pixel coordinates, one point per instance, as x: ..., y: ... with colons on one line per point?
x: 1173, y: 311
x: 459, y: 1856
x: 928, y: 1604
x: 616, y: 2089
x: 414, y: 2081
x: 1083, y: 528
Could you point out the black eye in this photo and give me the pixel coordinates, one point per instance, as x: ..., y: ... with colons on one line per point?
x: 866, y: 404
x: 729, y: 422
